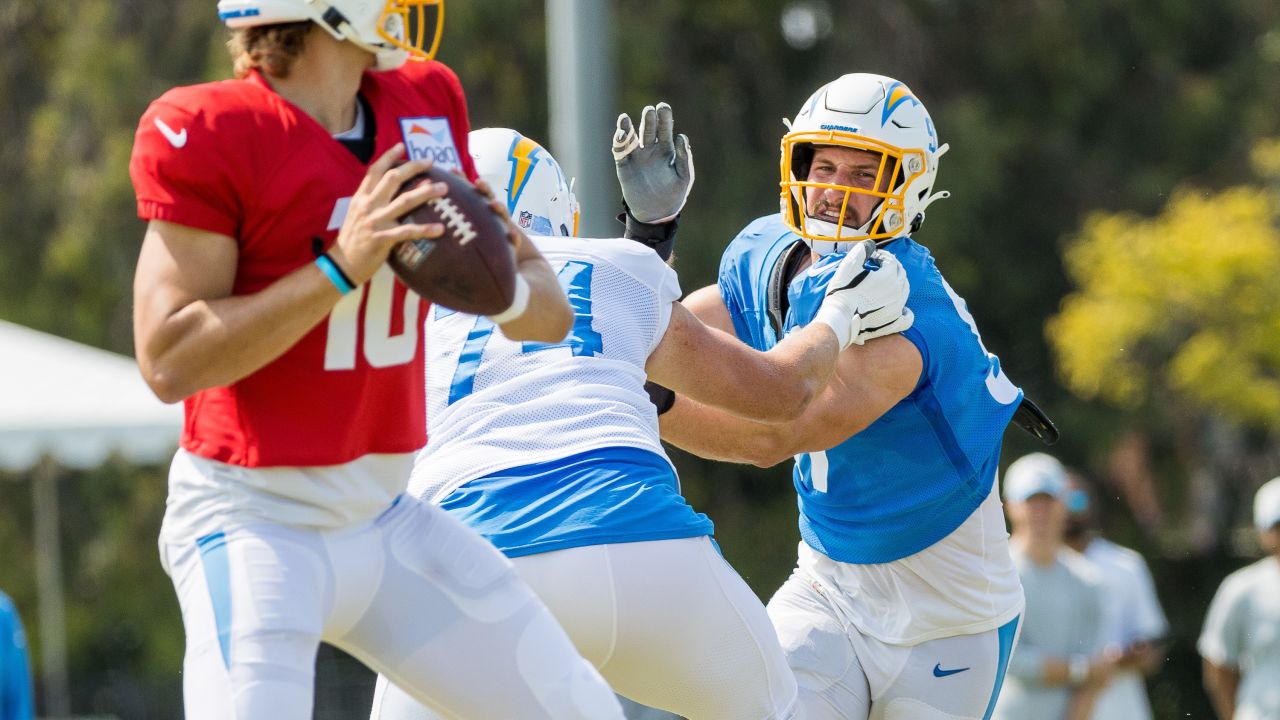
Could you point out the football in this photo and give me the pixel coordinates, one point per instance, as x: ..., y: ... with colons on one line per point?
x: 471, y: 267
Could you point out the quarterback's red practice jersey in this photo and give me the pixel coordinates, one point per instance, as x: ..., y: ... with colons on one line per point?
x: 235, y: 158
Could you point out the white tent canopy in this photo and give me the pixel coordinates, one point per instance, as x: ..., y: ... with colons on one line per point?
x: 77, y: 404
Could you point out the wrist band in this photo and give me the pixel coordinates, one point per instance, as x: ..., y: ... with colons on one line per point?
x: 519, y: 303
x: 660, y: 236
x: 661, y: 397
x: 335, y: 274
x: 839, y: 325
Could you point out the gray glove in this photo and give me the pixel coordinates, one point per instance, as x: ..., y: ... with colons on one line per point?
x: 655, y: 169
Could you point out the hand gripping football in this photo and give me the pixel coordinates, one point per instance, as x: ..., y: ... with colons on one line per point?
x: 471, y: 267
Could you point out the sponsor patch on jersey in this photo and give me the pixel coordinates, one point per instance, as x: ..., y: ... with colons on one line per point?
x: 430, y: 138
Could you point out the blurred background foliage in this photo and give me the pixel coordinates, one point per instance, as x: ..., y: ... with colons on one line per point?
x: 1114, y: 226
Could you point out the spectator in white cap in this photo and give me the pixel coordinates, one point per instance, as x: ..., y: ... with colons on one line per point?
x: 1240, y: 643
x: 1059, y: 667
x: 1134, y: 625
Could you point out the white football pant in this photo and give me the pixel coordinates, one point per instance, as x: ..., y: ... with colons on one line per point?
x: 667, y: 622
x: 844, y: 674
x: 413, y: 594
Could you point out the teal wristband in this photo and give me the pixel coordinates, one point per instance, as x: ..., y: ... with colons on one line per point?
x: 335, y: 274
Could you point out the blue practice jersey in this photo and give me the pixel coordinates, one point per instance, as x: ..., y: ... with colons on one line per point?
x: 15, y: 673
x: 921, y: 469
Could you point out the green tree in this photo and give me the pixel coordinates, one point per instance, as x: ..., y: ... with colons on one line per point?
x: 1184, y: 305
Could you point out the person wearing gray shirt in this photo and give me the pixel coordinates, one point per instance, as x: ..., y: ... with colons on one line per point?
x: 1059, y: 667
x: 1134, y: 625
x: 1240, y: 642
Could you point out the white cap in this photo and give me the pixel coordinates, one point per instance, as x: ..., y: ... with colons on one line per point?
x: 1266, y: 505
x: 1035, y: 474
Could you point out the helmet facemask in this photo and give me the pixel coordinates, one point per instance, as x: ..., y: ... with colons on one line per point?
x: 887, y: 150
x: 883, y: 174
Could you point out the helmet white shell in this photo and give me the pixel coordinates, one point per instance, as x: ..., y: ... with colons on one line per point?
x: 872, y: 113
x: 527, y: 179
x: 393, y: 30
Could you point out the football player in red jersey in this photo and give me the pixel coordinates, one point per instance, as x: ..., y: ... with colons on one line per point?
x: 262, y: 299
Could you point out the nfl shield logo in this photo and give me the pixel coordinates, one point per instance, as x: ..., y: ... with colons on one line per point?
x: 429, y: 138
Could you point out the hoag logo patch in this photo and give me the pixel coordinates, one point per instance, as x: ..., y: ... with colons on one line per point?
x: 429, y: 138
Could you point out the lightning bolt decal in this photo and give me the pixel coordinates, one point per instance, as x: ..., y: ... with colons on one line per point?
x: 524, y: 158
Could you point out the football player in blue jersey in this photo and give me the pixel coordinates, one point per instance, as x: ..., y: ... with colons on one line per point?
x: 904, y: 602
x: 551, y: 451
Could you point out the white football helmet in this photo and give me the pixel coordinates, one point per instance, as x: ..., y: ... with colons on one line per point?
x: 528, y: 179
x: 872, y: 113
x: 393, y: 30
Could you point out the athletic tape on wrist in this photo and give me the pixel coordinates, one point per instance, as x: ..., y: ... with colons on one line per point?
x: 519, y: 303
x: 839, y: 324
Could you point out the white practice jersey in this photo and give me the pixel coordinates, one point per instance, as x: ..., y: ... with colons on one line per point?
x: 494, y: 403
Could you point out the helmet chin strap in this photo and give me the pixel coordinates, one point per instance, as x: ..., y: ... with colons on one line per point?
x: 826, y: 227
x: 828, y: 247
x: 385, y: 58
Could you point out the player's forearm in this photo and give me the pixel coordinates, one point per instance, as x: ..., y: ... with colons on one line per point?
x: 784, y: 381
x: 717, y: 369
x: 806, y: 360
x: 717, y: 435
x: 548, y: 317
x: 216, y: 342
x: 773, y: 387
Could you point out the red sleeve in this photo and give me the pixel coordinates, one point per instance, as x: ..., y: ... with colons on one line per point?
x: 180, y: 171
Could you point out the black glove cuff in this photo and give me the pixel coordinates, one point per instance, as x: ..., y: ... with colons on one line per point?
x: 660, y: 237
x: 661, y: 397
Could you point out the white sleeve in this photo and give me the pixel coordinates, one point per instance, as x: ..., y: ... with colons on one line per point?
x: 1221, y: 640
x: 644, y: 265
x: 668, y: 294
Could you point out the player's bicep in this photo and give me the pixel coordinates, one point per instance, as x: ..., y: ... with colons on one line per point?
x: 869, y: 380
x: 676, y: 361
x: 709, y: 307
x: 711, y: 366
x: 177, y: 266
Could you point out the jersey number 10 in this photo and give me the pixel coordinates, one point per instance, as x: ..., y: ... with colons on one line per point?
x: 381, y: 348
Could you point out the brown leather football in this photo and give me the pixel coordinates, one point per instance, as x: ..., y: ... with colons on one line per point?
x: 471, y: 267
